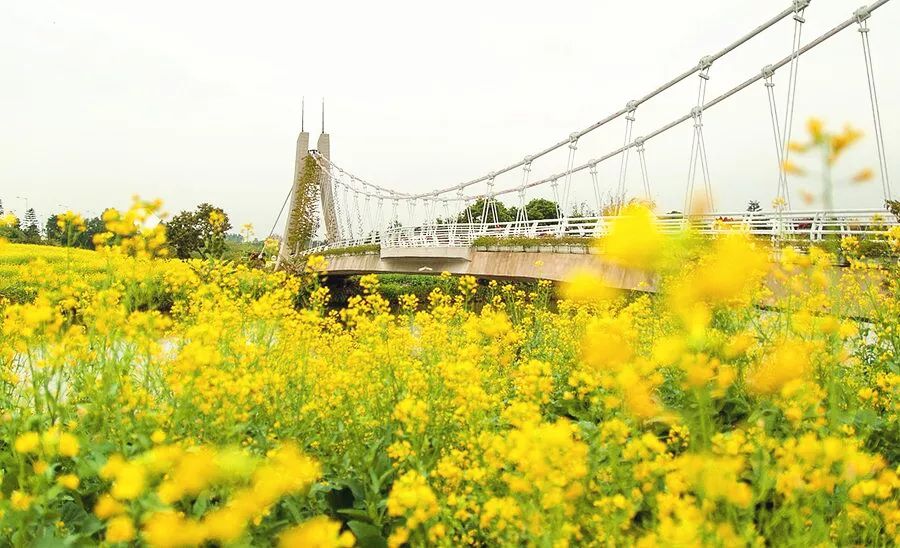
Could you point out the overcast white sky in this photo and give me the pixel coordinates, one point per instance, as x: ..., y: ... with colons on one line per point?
x: 194, y: 101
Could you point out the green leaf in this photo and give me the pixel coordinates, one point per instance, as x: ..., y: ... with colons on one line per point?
x: 49, y: 541
x: 356, y: 487
x: 356, y: 513
x: 367, y: 536
x: 200, y: 505
x: 77, y: 519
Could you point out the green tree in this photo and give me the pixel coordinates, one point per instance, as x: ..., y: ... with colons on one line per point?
x: 11, y: 233
x: 52, y: 232
x: 84, y: 240
x: 196, y: 233
x: 505, y: 213
x: 541, y: 208
x: 93, y: 226
x: 31, y: 232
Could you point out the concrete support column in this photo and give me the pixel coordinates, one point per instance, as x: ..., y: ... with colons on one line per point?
x: 326, y: 193
x: 299, y: 161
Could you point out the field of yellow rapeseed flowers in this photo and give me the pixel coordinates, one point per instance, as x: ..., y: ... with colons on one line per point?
x: 176, y: 403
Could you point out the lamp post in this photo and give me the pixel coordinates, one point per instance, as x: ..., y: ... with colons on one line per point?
x: 25, y: 199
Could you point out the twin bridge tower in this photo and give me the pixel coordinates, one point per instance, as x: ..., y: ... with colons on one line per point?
x: 352, y: 211
x: 306, y: 173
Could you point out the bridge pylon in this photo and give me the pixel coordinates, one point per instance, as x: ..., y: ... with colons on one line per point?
x: 300, y: 155
x: 326, y: 192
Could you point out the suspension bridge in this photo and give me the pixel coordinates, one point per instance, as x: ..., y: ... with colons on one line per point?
x: 440, y: 229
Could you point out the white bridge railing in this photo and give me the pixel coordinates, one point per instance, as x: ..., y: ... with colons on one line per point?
x: 811, y: 225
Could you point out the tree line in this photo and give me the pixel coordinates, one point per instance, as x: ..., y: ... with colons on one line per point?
x: 200, y: 231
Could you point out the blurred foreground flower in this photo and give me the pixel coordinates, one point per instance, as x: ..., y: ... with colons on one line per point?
x: 587, y: 286
x: 634, y: 239
x: 830, y: 147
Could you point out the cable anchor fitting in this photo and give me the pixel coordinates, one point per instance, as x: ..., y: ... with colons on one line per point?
x: 697, y: 115
x: 630, y: 107
x: 800, y: 5
x: 862, y: 14
x: 639, y: 144
x: 705, y: 62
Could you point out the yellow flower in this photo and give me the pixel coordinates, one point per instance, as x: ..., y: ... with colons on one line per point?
x: 107, y: 506
x: 735, y: 266
x: 120, y: 529
x: 168, y: 528
x: 791, y: 168
x: 586, y: 286
x: 468, y: 285
x: 411, y: 496
x: 893, y: 235
x: 68, y: 445
x: 318, y: 532
x: 788, y: 360
x: 608, y: 343
x: 816, y: 129
x: 113, y: 464
x: 216, y: 219
x: 28, y: 442
x: 69, y: 481
x: 369, y: 283
x: 634, y: 239
x: 716, y: 478
x: 70, y: 219
x: 844, y: 139
x: 158, y: 436
x: 795, y: 146
x: 130, y: 482
x: 413, y: 413
x: 638, y: 394
x: 102, y: 238
x: 863, y: 175
x: 850, y: 245
x: 225, y: 525
x: 21, y: 500
x: 316, y: 263
x: 40, y: 466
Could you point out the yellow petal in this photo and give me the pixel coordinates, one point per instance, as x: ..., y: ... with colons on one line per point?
x: 791, y: 168
x: 863, y: 175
